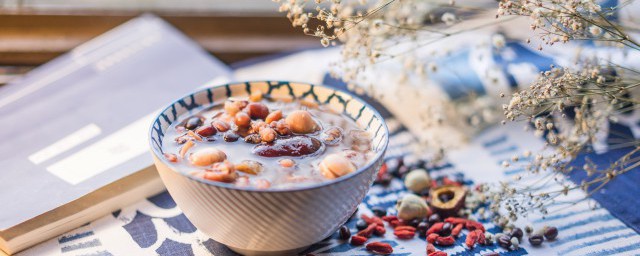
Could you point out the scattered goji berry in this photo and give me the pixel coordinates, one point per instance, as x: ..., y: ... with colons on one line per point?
x: 410, y: 228
x: 455, y: 221
x: 471, y: 240
x: 367, y: 232
x: 379, y: 230
x: 380, y: 248
x: 389, y: 218
x: 358, y: 240
x: 481, y: 238
x: 435, y: 228
x: 430, y: 248
x: 369, y: 220
x: 438, y: 253
x: 456, y: 230
x: 473, y: 225
x: 404, y: 234
x: 432, y: 237
x: 445, y: 240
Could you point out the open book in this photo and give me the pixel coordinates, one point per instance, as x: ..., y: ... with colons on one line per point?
x: 74, y: 136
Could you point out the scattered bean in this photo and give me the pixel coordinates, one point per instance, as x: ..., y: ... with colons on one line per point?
x: 361, y: 224
x: 379, y: 211
x: 517, y: 233
x: 550, y: 233
x: 422, y: 228
x: 504, y: 241
x: 344, y: 233
x: 446, y: 229
x: 434, y: 218
x: 536, y: 240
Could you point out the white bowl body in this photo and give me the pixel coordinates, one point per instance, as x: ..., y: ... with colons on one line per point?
x: 274, y: 222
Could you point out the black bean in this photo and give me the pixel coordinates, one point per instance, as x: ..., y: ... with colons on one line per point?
x: 230, y: 137
x: 536, y: 240
x: 517, y: 233
x: 402, y: 171
x: 414, y: 222
x: 446, y: 229
x: 422, y: 228
x: 491, y: 254
x: 193, y: 123
x: 504, y: 242
x: 361, y: 224
x: 550, y: 233
x: 344, y: 233
x: 434, y: 218
x: 424, y: 192
x: 379, y: 211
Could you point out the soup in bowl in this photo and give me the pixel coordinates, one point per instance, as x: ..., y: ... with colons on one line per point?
x: 268, y: 167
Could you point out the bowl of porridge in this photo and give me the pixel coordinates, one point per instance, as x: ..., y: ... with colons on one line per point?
x: 268, y: 167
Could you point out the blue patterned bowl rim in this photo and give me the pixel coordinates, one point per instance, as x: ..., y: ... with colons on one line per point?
x: 380, y: 154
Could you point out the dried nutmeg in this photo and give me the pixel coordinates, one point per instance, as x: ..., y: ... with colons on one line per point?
x: 301, y: 121
x: 207, y: 156
x: 448, y: 200
x: 417, y: 180
x: 412, y: 207
x: 335, y: 165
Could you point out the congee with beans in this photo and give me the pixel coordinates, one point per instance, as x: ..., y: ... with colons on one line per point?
x: 265, y: 141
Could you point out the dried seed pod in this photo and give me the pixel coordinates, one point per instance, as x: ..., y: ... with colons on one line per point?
x: 249, y: 166
x: 301, y: 121
x: 335, y: 165
x: 411, y: 207
x: 417, y: 180
x: 448, y: 200
x: 207, y: 156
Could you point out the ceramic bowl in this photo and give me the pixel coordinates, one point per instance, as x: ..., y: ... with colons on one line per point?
x: 276, y: 221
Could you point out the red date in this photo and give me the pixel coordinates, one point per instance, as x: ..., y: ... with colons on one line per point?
x: 296, y: 146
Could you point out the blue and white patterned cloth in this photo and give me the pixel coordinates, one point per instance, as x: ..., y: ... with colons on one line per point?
x: 155, y: 226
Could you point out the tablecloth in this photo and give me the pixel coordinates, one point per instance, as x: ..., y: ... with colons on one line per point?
x: 156, y: 226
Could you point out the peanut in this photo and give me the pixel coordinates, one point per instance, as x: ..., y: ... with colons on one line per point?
x: 301, y: 121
